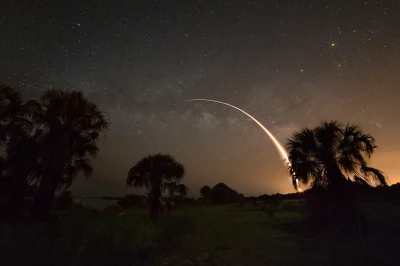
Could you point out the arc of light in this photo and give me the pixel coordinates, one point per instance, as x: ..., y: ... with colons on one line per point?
x: 278, y: 146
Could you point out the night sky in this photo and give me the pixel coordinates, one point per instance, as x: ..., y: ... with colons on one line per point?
x: 290, y: 64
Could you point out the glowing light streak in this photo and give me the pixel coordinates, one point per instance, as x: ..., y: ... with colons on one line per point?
x: 278, y: 146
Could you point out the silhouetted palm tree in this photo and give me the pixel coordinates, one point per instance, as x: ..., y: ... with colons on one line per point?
x: 159, y: 174
x: 331, y: 157
x: 10, y: 109
x: 15, y: 115
x: 19, y: 140
x: 71, y: 126
x: 22, y: 169
x: 332, y: 154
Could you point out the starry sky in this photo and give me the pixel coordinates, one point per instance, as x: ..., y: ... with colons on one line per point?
x: 289, y: 63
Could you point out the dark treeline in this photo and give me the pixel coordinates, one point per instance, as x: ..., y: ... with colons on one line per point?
x: 366, y: 193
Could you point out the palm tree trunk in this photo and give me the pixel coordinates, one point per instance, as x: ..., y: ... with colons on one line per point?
x: 155, y: 203
x: 336, y: 178
x: 43, y: 202
x: 341, y: 195
x: 13, y: 201
x: 53, y: 171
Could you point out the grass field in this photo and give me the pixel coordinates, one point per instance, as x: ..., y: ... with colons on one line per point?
x: 199, y: 235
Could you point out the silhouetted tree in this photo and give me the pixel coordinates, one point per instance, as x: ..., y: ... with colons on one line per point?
x: 71, y: 126
x: 19, y: 138
x: 221, y: 194
x: 328, y: 157
x: 175, y: 192
x: 329, y: 154
x: 22, y: 168
x: 205, y: 193
x: 159, y: 174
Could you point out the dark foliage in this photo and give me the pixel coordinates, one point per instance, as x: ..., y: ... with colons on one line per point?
x: 180, y: 200
x: 44, y: 145
x: 278, y: 196
x: 221, y: 194
x: 205, y: 193
x: 71, y: 127
x: 159, y: 174
x: 332, y: 158
x: 19, y: 142
x: 330, y: 154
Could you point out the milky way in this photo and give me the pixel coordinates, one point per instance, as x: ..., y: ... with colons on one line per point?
x: 291, y: 64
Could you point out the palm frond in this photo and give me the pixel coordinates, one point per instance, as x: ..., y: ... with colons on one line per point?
x: 158, y: 170
x: 323, y: 155
x: 363, y: 182
x: 375, y: 174
x: 136, y: 178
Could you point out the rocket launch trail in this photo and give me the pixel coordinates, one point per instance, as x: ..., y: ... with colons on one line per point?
x: 278, y: 146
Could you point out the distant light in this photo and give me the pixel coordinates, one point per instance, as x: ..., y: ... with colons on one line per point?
x: 79, y: 24
x: 333, y: 44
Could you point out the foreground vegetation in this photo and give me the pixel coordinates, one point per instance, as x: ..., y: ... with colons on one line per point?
x: 200, y: 235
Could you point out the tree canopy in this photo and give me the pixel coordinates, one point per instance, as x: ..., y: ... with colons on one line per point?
x: 332, y: 153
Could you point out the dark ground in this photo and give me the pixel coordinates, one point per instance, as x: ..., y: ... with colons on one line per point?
x: 201, y: 235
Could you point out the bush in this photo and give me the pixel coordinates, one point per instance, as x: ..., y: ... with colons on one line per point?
x: 333, y: 208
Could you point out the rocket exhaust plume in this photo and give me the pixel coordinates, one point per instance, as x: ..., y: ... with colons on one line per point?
x: 278, y: 146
